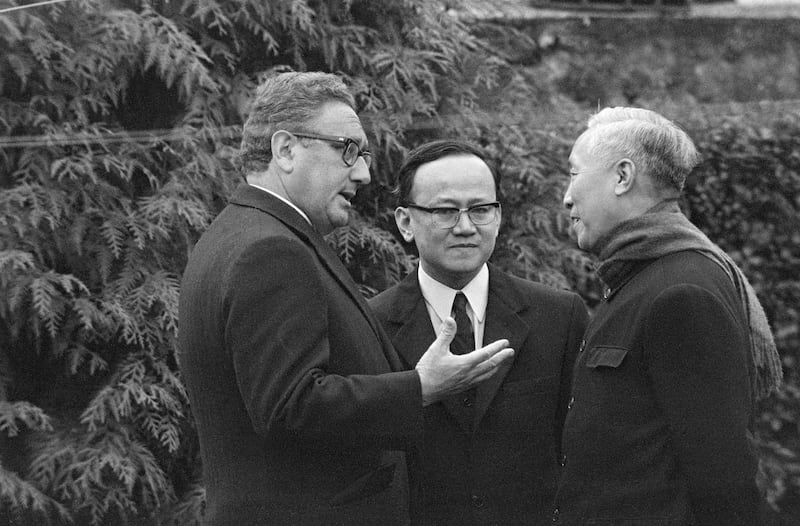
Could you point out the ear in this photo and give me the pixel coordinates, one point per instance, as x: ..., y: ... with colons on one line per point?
x: 624, y: 176
x: 403, y: 220
x: 282, y: 144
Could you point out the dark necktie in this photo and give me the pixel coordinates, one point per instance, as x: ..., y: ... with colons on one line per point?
x: 464, y: 340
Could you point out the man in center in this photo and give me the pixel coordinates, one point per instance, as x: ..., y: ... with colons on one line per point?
x: 489, y: 455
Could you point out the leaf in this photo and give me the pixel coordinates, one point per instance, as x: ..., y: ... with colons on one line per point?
x: 21, y: 412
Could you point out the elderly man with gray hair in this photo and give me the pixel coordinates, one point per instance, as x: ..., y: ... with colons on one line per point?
x: 677, y: 353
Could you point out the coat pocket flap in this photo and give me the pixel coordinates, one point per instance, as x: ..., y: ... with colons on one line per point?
x: 603, y: 356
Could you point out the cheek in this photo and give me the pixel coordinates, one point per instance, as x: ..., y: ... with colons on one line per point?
x: 490, y: 235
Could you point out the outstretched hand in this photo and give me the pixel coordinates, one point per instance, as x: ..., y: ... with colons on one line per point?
x: 442, y: 373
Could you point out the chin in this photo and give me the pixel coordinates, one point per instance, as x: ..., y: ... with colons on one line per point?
x: 340, y: 220
x: 466, y: 269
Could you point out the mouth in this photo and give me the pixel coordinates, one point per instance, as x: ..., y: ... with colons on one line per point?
x: 464, y: 245
x: 574, y: 220
x: 347, y: 195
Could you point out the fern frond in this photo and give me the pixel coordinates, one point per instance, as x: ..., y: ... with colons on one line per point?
x: 45, y: 299
x: 102, y: 474
x: 15, y: 261
x: 21, y: 412
x: 77, y: 355
x: 175, y: 55
x: 27, y: 503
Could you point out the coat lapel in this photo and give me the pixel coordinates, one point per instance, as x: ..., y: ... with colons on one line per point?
x: 502, y: 321
x: 409, y: 314
x: 247, y: 195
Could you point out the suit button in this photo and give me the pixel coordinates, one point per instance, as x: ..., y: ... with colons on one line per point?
x: 477, y: 501
x: 571, y: 403
x: 562, y: 460
x: 555, y: 515
x: 468, y: 401
x: 583, y: 345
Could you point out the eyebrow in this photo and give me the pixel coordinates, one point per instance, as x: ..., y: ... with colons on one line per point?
x: 451, y: 203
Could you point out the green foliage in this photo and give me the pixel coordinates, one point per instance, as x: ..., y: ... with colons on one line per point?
x: 120, y: 125
x: 97, y: 216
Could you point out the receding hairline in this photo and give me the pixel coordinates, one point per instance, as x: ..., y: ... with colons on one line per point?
x: 654, y: 143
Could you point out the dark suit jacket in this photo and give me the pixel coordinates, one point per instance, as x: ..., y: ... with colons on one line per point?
x: 290, y: 377
x: 501, y: 468
x: 657, y: 434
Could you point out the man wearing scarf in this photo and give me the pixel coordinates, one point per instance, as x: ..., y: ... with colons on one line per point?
x: 677, y: 353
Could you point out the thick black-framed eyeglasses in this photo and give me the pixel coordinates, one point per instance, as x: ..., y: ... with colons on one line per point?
x: 351, y: 150
x: 449, y: 216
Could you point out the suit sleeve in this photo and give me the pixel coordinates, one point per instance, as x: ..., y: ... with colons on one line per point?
x: 696, y: 355
x: 277, y: 333
x: 578, y: 320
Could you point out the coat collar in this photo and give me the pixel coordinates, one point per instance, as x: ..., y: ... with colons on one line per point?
x: 409, y: 294
x: 250, y: 196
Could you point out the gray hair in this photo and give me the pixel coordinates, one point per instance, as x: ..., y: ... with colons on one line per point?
x: 655, y: 144
x: 286, y: 101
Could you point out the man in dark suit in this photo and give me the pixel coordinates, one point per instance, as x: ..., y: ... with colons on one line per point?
x: 675, y: 355
x: 300, y: 400
x: 489, y: 455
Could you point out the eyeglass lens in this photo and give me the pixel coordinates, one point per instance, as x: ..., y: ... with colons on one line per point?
x: 351, y: 152
x: 449, y: 217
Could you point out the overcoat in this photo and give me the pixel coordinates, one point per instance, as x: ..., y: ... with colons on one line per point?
x: 501, y: 466
x: 657, y: 432
x: 298, y: 395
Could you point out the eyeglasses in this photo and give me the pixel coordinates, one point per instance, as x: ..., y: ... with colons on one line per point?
x: 448, y: 217
x: 351, y: 150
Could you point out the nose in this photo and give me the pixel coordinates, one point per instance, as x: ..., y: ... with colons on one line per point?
x: 568, y: 197
x: 464, y: 226
x: 360, y: 172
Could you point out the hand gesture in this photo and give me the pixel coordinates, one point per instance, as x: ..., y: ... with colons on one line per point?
x: 442, y: 373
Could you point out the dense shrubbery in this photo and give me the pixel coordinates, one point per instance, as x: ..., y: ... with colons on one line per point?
x: 96, y: 217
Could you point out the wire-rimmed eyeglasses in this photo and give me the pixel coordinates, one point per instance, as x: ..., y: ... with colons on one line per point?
x: 351, y: 150
x: 449, y: 216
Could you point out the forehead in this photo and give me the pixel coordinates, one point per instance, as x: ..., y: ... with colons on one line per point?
x: 337, y: 118
x: 580, y: 150
x: 453, y: 177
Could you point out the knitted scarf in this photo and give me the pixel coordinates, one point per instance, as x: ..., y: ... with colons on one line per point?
x: 663, y: 230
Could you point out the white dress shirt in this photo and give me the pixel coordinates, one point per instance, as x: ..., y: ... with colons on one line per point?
x: 439, y: 300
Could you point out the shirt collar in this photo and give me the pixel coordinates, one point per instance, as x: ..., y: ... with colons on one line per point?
x: 441, y: 297
x: 285, y: 201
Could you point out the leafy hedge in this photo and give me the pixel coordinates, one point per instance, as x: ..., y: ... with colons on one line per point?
x: 118, y: 128
x: 118, y: 125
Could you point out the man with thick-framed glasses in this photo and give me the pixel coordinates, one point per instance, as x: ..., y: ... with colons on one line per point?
x: 302, y: 404
x: 490, y: 454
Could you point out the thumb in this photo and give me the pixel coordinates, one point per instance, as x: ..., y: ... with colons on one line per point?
x: 447, y: 331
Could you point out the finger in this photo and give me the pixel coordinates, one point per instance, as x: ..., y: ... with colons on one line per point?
x: 490, y: 367
x: 486, y: 352
x: 447, y: 331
